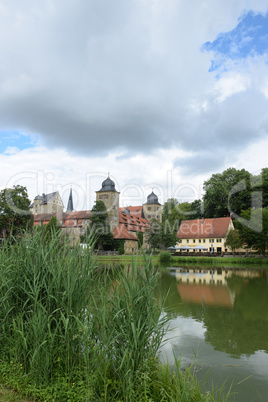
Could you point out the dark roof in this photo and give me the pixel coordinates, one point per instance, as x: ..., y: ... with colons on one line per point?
x: 107, y: 185
x: 203, y: 228
x: 45, y: 198
x: 152, y: 199
x: 70, y: 206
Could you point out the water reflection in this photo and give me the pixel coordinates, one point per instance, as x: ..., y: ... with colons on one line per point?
x: 222, y: 316
x: 232, y: 304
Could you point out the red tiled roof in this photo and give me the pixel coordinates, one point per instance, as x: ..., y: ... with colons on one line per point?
x: 133, y: 220
x: 43, y: 217
x: 68, y: 218
x: 121, y: 232
x: 77, y: 215
x: 203, y: 228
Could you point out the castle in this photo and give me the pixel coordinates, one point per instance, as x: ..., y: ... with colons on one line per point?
x: 125, y: 223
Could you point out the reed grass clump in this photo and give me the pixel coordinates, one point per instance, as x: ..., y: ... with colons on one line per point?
x: 70, y: 331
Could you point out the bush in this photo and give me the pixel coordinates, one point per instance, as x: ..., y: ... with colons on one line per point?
x: 165, y: 257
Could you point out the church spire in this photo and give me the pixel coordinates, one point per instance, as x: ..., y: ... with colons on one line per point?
x: 70, y: 206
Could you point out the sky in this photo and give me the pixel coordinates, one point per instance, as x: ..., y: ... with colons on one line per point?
x: 159, y: 93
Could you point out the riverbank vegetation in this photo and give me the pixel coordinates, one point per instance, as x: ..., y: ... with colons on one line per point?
x: 256, y: 261
x: 70, y: 331
x: 166, y: 257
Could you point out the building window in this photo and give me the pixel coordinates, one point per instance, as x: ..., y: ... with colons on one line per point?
x: 187, y: 240
x: 149, y: 208
x: 194, y: 240
x: 199, y: 240
x: 204, y: 240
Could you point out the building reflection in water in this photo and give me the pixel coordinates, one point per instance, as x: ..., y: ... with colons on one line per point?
x: 208, y: 287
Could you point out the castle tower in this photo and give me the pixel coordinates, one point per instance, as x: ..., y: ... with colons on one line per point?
x: 152, y: 209
x: 110, y: 197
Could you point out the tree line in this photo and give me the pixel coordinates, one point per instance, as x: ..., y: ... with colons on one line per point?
x: 232, y: 192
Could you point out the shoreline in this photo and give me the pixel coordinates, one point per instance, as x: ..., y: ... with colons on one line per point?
x: 203, y: 260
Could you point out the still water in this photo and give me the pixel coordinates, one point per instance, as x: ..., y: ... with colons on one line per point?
x: 219, y: 320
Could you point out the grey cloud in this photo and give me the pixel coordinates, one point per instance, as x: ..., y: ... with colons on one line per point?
x: 231, y: 124
x: 198, y: 164
x: 94, y: 77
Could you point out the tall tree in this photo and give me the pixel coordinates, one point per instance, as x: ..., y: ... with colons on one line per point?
x: 227, y: 192
x: 99, y: 227
x: 15, y: 215
x: 155, y: 236
x: 260, y: 188
x: 197, y: 210
x: 233, y: 240
x: 253, y: 228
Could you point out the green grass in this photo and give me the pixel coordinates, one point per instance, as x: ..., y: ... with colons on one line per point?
x: 124, y: 259
x: 221, y: 260
x: 8, y: 395
x: 72, y: 332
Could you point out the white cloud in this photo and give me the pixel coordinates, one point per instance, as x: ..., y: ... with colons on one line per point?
x: 103, y: 81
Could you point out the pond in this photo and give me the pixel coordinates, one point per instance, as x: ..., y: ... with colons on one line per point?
x: 219, y: 320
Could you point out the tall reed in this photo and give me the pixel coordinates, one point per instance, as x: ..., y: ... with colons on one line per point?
x: 70, y: 331
x: 132, y: 328
x: 44, y: 290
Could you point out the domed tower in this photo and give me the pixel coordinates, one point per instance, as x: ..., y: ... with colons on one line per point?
x: 152, y: 209
x: 110, y: 197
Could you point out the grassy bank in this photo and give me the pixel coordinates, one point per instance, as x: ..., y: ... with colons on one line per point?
x: 127, y: 259
x: 69, y: 331
x: 221, y: 260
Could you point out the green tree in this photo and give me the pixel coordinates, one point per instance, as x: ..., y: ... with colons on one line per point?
x: 162, y: 234
x: 119, y: 245
x: 173, y: 213
x: 260, y: 188
x: 265, y: 187
x: 253, y: 228
x: 197, y: 209
x: 233, y: 240
x: 227, y: 192
x: 99, y: 228
x: 15, y: 215
x: 52, y: 229
x: 155, y: 238
x: 140, y: 239
x: 168, y: 233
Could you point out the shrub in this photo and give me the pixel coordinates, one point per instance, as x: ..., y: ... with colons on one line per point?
x: 165, y: 257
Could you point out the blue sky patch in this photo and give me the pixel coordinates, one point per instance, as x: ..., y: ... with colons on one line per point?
x: 16, y: 139
x: 248, y: 38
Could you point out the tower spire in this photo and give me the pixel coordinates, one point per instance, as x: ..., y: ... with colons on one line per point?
x: 70, y: 206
